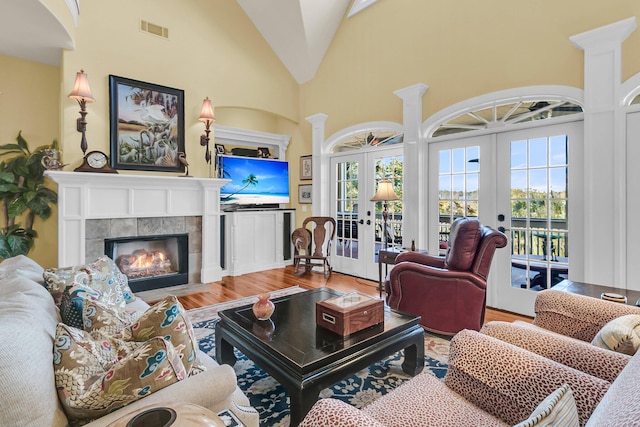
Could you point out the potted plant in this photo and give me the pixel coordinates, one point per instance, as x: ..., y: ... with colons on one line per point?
x: 22, y: 191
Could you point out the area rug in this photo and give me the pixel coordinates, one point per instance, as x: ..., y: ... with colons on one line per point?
x: 271, y: 399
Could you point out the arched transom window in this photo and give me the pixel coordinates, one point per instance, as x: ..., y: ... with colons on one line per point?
x: 377, y: 138
x: 505, y: 115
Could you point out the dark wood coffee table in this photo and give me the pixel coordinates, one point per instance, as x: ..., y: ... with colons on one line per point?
x: 306, y: 358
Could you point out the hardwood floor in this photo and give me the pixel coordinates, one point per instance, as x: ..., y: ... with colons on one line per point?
x: 231, y: 288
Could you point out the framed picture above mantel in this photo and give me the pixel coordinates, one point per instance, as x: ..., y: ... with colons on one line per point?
x: 147, y: 125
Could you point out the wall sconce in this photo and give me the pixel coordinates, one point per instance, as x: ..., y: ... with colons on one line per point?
x: 206, y: 116
x: 385, y: 194
x: 81, y: 92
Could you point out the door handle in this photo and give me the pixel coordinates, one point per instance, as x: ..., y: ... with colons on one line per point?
x: 503, y: 230
x: 361, y: 221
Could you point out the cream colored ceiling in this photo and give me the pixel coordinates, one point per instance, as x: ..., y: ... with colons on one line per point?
x: 298, y: 31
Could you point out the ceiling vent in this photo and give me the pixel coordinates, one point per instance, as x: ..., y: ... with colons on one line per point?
x: 156, y: 30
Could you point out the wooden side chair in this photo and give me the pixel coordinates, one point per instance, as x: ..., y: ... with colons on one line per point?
x: 312, y: 247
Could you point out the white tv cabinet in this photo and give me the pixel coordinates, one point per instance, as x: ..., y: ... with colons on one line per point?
x: 256, y: 240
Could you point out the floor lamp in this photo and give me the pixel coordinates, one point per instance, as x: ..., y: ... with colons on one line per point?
x: 385, y: 194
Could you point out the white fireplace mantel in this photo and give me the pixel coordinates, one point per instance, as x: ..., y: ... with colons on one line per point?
x: 83, y: 196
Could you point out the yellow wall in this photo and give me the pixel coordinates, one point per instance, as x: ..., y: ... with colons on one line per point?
x: 460, y: 50
x: 30, y: 102
x: 213, y: 50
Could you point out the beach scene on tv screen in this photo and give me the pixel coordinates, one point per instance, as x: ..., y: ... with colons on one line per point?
x: 255, y: 181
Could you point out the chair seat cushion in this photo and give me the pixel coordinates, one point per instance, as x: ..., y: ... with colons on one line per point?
x: 426, y: 401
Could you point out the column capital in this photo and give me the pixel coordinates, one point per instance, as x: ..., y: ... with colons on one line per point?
x: 413, y: 91
x: 317, y: 119
x: 612, y: 33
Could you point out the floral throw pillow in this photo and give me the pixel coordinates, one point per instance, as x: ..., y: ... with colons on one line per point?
x: 167, y: 318
x: 107, y: 319
x: 102, y: 276
x: 97, y: 374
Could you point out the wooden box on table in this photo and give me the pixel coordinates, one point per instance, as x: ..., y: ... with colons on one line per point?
x: 349, y: 313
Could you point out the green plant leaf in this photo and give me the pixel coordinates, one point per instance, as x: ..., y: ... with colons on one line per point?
x: 16, y: 207
x: 22, y: 143
x: 15, y: 240
x: 22, y: 189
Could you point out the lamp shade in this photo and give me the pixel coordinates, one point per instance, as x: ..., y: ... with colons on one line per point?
x: 81, y: 90
x: 385, y: 192
x: 206, y: 114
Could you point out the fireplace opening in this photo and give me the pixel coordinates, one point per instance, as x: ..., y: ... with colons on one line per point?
x: 151, y: 262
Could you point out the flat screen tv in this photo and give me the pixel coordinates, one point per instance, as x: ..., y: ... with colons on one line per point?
x: 254, y: 181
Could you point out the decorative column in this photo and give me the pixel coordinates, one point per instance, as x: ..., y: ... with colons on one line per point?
x: 320, y: 167
x: 414, y: 218
x: 604, y: 155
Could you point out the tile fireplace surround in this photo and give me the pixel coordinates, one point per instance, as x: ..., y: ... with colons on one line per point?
x: 84, y: 198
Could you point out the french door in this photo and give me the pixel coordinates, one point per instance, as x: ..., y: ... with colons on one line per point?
x: 534, y: 192
x: 360, y: 228
x: 519, y: 183
x: 460, y: 184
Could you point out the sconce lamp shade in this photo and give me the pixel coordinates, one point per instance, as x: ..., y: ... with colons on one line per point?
x: 385, y: 192
x: 81, y: 90
x: 206, y: 114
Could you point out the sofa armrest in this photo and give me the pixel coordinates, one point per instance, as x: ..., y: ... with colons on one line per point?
x: 509, y: 382
x: 619, y: 406
x: 569, y: 351
x: 420, y: 258
x: 333, y: 412
x: 211, y: 389
x: 574, y: 315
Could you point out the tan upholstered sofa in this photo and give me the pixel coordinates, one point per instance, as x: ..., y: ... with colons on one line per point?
x: 492, y: 382
x: 28, y: 396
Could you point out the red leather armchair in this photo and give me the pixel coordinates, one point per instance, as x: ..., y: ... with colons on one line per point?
x: 449, y: 292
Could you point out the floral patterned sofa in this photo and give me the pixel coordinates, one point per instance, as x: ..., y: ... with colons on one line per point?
x: 499, y: 376
x: 34, y: 338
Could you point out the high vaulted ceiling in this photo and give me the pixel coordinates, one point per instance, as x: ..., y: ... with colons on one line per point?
x: 298, y: 31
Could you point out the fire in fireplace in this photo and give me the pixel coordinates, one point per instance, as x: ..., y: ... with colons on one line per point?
x: 151, y: 262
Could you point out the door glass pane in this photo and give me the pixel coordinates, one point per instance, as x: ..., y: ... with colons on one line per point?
x: 518, y: 154
x: 459, y: 172
x: 347, y: 209
x: 538, y: 152
x: 539, y: 226
x: 538, y: 183
x: 558, y: 150
x: 389, y: 169
x: 445, y: 161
